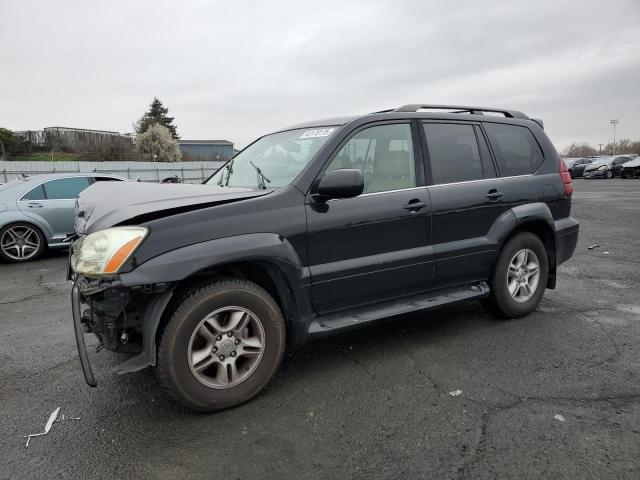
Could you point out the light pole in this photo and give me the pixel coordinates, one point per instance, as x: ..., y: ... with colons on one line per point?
x: 614, y: 122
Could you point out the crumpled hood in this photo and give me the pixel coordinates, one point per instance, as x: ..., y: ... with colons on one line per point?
x: 105, y: 204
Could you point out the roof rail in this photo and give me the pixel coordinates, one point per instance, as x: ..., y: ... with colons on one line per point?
x: 384, y: 111
x: 462, y: 109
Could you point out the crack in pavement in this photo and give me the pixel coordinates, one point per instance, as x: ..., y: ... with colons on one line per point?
x: 606, y: 334
x: 478, y: 450
x: 25, y: 299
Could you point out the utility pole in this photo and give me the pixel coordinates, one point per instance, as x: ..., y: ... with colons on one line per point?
x: 600, y: 148
x: 614, y: 122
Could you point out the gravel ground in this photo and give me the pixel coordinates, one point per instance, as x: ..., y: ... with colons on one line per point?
x: 552, y: 395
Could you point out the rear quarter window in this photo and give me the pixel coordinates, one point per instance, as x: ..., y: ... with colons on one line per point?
x: 516, y: 150
x: 35, y: 194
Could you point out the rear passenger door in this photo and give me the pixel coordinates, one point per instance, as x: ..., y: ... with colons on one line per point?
x: 518, y: 156
x: 466, y: 199
x: 55, y: 203
x: 375, y: 246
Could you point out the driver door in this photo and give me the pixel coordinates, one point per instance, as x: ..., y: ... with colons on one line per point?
x: 375, y: 246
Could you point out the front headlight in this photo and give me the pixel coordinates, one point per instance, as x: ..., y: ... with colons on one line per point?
x: 104, y: 252
x: 603, y: 167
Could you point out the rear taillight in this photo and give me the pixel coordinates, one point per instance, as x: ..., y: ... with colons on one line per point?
x: 566, y: 178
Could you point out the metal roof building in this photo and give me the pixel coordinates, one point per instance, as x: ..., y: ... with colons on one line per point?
x: 199, y: 150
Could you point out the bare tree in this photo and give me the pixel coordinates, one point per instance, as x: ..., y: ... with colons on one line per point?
x: 576, y: 150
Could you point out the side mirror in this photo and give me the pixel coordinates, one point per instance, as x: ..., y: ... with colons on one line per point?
x: 342, y: 183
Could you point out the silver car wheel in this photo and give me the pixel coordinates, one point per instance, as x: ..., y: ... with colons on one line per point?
x: 226, y: 347
x: 20, y: 242
x: 523, y: 275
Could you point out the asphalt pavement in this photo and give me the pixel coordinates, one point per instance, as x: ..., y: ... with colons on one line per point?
x: 552, y: 395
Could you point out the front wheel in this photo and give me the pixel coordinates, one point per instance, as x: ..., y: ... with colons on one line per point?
x: 520, y: 276
x: 21, y: 242
x: 222, y: 345
x: 609, y: 174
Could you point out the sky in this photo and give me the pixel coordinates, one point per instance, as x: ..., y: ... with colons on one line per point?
x: 236, y: 70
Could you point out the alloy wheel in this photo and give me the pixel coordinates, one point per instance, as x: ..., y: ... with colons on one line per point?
x: 523, y: 275
x: 20, y: 242
x: 226, y: 347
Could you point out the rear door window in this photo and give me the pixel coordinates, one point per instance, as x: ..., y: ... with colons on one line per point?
x: 65, y: 188
x: 516, y: 149
x: 453, y: 153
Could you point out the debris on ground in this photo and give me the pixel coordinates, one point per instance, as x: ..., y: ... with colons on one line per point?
x: 559, y: 417
x: 53, y: 418
x: 593, y: 246
x: 606, y: 253
x: 455, y: 393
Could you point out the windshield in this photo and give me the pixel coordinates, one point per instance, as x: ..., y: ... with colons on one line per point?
x: 274, y: 160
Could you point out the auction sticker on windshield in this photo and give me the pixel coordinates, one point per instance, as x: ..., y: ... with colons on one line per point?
x: 317, y: 132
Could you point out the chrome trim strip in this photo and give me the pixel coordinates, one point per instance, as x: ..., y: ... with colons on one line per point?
x: 391, y: 191
x: 479, y: 180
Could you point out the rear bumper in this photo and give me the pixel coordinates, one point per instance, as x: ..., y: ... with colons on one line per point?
x: 566, y: 238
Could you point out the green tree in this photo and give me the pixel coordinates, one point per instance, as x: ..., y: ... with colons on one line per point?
x: 8, y: 139
x: 157, y: 114
x: 156, y: 144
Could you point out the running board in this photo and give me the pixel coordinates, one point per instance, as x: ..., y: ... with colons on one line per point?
x: 370, y: 313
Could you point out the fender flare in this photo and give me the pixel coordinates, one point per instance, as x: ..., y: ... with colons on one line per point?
x: 176, y: 265
x: 517, y: 216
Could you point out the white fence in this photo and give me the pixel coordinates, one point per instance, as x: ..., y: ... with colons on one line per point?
x: 187, y: 172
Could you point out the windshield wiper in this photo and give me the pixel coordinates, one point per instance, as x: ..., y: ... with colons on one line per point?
x: 229, y: 169
x: 261, y: 177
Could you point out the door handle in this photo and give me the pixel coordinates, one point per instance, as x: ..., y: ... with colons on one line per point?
x: 415, y: 205
x: 494, y: 194
x: 34, y: 205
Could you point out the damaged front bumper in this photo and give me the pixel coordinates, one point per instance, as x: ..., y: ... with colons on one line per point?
x: 77, y: 328
x: 124, y: 319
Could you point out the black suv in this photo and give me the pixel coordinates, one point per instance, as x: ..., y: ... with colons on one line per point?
x: 316, y: 228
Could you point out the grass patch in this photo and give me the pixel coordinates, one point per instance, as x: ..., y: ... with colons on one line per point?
x: 48, y: 157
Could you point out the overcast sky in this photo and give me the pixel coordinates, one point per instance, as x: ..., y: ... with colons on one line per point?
x: 235, y: 70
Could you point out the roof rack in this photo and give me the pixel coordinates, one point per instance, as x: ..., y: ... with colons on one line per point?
x: 462, y: 109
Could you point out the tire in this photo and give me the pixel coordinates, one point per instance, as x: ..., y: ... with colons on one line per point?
x: 181, y: 342
x: 571, y: 173
x: 502, y: 301
x: 10, y: 237
x: 609, y: 174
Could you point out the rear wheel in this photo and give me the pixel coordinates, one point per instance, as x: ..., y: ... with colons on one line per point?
x: 21, y: 242
x: 222, y: 345
x: 520, y: 276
